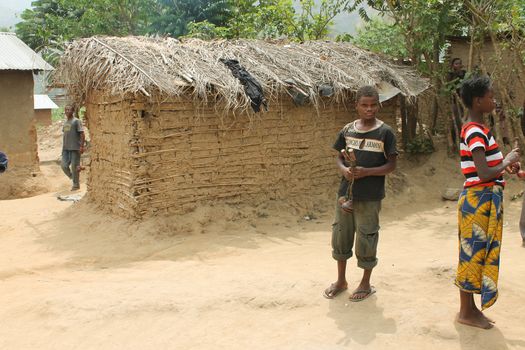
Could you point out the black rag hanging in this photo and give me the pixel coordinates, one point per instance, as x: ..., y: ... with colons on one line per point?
x: 252, y: 87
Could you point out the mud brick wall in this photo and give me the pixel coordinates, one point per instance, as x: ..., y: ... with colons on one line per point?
x: 163, y: 158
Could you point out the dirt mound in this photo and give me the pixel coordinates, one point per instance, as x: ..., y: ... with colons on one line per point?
x: 22, y: 183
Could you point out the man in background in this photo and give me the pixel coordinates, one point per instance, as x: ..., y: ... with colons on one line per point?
x: 73, y: 145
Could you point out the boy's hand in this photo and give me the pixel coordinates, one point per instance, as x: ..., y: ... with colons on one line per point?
x: 347, y: 173
x: 359, y: 172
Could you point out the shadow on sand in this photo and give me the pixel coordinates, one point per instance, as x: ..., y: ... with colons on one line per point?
x: 474, y: 338
x: 360, y: 322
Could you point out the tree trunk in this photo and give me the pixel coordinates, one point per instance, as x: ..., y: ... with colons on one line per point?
x: 404, y: 124
x: 471, y: 47
x: 451, y: 148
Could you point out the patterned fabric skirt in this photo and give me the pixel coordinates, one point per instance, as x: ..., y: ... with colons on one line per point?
x: 480, y: 223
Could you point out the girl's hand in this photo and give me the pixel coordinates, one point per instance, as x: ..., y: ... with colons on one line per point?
x: 513, y: 156
x: 513, y: 168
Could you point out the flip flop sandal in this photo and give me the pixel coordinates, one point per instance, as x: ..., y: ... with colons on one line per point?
x: 368, y: 292
x: 332, y: 291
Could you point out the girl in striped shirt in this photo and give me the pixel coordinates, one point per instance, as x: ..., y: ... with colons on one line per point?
x: 480, y: 211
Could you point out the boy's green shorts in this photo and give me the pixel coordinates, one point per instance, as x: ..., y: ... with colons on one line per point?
x: 365, y: 221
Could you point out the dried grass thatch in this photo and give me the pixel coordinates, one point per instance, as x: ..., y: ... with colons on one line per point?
x: 157, y: 67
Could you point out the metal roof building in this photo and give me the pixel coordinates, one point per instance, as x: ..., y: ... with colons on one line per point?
x: 44, y: 102
x: 16, y: 55
x: 18, y: 63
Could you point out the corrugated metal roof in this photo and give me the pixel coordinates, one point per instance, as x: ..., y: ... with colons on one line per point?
x: 44, y: 102
x: 387, y: 91
x: 16, y: 55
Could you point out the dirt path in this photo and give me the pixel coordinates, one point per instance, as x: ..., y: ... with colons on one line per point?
x: 240, y: 277
x: 72, y: 278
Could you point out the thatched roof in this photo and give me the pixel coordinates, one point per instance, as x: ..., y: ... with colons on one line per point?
x: 167, y: 67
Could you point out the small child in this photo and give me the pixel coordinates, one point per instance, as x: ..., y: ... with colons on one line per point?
x: 373, y: 143
x: 3, y: 162
x: 516, y: 169
x: 480, y: 212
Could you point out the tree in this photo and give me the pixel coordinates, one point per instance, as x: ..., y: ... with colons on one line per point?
x: 503, y: 22
x: 313, y: 22
x: 424, y: 25
x: 382, y: 37
x: 50, y: 23
x: 276, y: 18
x: 174, y: 16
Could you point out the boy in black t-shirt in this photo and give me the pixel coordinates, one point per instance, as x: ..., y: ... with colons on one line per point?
x: 374, y: 144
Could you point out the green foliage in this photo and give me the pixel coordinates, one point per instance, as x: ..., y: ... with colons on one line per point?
x: 206, y: 31
x: 382, y: 37
x: 424, y: 25
x: 174, y: 16
x: 420, y: 145
x: 344, y: 38
x: 49, y: 23
x: 313, y: 22
x: 57, y: 114
x: 260, y: 19
x: 272, y: 19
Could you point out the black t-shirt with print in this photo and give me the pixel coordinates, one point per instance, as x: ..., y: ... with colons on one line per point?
x: 371, y: 149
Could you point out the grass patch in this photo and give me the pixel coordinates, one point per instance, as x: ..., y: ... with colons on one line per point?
x: 57, y: 114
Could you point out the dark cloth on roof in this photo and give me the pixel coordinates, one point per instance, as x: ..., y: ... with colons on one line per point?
x: 252, y: 87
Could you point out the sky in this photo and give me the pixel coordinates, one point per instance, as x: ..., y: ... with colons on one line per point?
x: 9, y: 9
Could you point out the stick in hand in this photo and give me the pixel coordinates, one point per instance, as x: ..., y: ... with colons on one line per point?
x: 346, y: 201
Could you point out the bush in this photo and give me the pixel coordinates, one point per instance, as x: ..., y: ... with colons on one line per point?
x: 420, y: 145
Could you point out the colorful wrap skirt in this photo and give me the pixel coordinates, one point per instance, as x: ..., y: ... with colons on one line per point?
x: 480, y: 224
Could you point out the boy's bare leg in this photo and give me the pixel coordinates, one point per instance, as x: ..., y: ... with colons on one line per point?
x: 363, y: 289
x: 341, y: 274
x: 468, y: 315
x: 341, y: 283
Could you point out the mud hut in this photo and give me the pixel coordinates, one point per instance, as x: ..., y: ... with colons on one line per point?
x: 17, y: 134
x: 43, y: 109
x: 17, y: 130
x: 172, y: 127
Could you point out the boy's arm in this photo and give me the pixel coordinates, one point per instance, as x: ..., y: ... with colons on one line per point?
x: 345, y: 171
x: 80, y: 130
x: 486, y: 172
x: 382, y: 170
x: 82, y: 141
x: 391, y: 159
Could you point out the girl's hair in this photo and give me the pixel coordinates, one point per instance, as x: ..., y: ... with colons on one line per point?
x: 475, y: 86
x: 367, y: 91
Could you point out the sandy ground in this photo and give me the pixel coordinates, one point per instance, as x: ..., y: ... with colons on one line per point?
x: 240, y: 277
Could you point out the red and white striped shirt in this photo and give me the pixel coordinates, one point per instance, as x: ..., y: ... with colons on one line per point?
x: 475, y: 135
